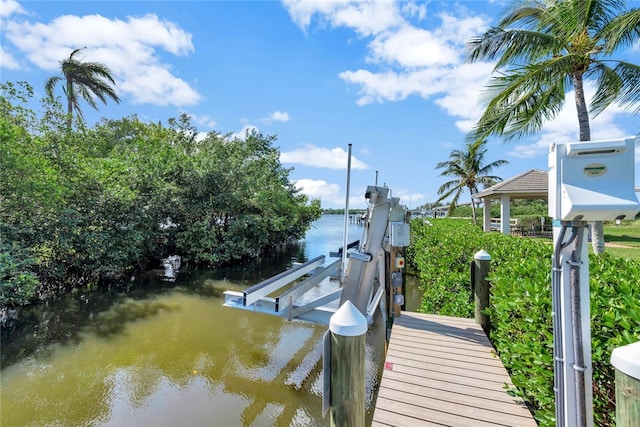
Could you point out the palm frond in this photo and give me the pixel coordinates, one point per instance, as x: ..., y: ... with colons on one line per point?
x: 619, y: 85
x: 522, y: 100
x: 491, y: 166
x: 621, y: 31
x: 526, y: 14
x: 50, y: 85
x: 512, y: 47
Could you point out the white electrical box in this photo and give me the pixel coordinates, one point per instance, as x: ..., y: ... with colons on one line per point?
x: 593, y: 180
x: 399, y: 234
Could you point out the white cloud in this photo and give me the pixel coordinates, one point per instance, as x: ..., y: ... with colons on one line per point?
x: 7, y: 60
x: 408, y: 198
x: 457, y: 30
x: 302, y: 11
x: 203, y: 120
x: 412, y: 10
x: 388, y: 86
x: 364, y: 17
x: 367, y: 17
x: 412, y: 47
x: 200, y: 136
x: 155, y: 85
x: 427, y: 63
x: 320, y: 157
x: 130, y: 48
x: 319, y: 189
x: 277, y: 116
x: 243, y: 132
x: 9, y: 7
x: 461, y: 88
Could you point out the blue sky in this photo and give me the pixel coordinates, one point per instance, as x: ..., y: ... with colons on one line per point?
x: 387, y: 77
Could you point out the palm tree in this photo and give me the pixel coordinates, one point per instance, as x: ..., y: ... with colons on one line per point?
x: 546, y: 48
x: 468, y: 169
x: 83, y: 80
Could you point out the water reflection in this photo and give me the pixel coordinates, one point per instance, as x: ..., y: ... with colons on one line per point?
x: 166, y: 354
x: 166, y: 362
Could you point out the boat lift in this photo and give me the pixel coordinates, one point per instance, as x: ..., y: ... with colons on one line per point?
x: 372, y: 274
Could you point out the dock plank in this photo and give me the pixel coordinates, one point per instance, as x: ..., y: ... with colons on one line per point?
x: 442, y: 371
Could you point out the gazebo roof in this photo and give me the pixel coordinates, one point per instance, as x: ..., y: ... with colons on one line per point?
x: 533, y: 184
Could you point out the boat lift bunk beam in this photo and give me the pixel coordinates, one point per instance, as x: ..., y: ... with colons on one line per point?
x: 272, y: 284
x: 257, y: 299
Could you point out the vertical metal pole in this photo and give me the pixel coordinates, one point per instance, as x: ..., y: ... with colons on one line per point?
x: 577, y: 308
x: 346, y: 219
x: 572, y: 336
x: 556, y: 314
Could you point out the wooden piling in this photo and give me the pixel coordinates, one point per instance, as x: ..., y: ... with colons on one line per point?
x: 626, y: 360
x: 480, y: 286
x: 347, y: 389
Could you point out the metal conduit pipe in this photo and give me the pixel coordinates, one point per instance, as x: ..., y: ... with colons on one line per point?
x: 558, y: 333
x: 558, y: 356
x: 576, y: 324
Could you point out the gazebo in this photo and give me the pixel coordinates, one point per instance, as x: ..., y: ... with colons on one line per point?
x: 532, y: 184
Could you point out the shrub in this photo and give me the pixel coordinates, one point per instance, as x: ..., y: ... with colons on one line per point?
x: 18, y: 283
x: 520, y: 310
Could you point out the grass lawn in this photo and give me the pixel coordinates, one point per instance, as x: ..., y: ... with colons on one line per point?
x: 622, y: 240
x: 626, y: 235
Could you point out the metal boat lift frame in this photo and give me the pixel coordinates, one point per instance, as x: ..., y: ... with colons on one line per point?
x: 365, y: 282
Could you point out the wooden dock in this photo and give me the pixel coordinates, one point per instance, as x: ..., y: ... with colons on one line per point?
x: 441, y: 371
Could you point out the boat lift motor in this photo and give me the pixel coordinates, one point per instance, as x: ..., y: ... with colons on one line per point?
x: 588, y: 181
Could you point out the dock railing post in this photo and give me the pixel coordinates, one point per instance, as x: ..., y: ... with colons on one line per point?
x: 480, y: 287
x: 626, y: 360
x: 348, y: 328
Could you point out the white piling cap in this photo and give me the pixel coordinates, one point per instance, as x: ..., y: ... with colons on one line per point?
x: 626, y: 359
x: 348, y: 321
x: 482, y: 255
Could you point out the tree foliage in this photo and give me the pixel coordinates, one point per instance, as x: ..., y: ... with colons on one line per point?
x: 88, y: 206
x: 86, y: 80
x: 468, y: 169
x: 546, y: 48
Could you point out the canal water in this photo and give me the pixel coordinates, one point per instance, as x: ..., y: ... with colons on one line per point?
x: 169, y: 354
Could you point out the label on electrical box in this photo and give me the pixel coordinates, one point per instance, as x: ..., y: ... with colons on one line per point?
x: 595, y: 169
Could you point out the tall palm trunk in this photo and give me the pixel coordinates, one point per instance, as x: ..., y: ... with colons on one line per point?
x: 70, y: 101
x: 597, y: 228
x: 473, y: 207
x: 581, y: 106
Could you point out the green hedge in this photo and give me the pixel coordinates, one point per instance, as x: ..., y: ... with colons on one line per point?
x: 522, y: 333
